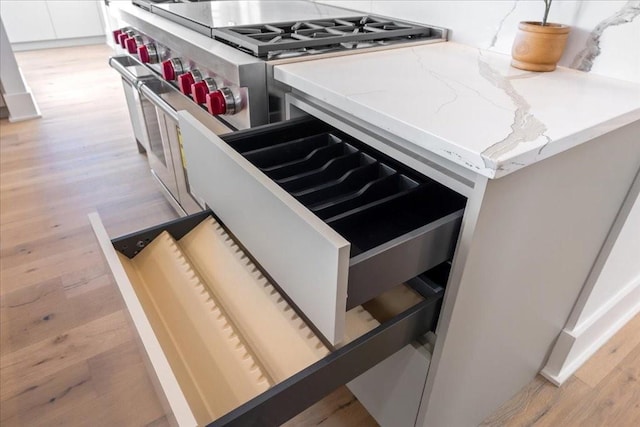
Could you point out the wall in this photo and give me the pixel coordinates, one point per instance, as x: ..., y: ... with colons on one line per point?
x: 604, y: 36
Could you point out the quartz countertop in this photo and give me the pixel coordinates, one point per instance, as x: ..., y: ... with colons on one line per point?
x: 469, y: 105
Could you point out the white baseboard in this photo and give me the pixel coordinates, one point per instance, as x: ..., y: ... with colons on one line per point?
x: 21, y: 106
x: 52, y: 44
x: 576, y: 346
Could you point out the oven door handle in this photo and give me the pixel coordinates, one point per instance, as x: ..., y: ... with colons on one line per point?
x: 122, y: 64
x: 157, y: 100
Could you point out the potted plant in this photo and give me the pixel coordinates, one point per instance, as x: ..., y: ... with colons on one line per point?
x: 539, y: 45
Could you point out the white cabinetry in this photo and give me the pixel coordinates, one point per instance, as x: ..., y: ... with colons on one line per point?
x: 73, y: 18
x: 26, y: 21
x: 52, y: 23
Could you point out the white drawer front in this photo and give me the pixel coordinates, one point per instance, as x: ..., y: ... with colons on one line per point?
x: 307, y: 259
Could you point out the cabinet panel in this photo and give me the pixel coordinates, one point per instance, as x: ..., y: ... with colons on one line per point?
x: 73, y: 18
x: 26, y: 21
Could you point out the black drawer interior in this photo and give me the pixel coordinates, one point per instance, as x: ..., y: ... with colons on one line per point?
x: 364, y: 195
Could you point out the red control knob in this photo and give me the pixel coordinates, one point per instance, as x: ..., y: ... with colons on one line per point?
x: 122, y: 39
x: 199, y: 92
x: 216, y: 103
x: 168, y: 73
x: 143, y: 54
x: 172, y: 68
x: 184, y: 82
x: 132, y: 45
x: 148, y: 53
x: 116, y: 36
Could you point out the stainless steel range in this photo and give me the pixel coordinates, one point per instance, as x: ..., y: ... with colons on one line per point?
x: 215, y: 59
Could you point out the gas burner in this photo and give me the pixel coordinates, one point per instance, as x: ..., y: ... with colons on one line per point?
x: 306, y: 37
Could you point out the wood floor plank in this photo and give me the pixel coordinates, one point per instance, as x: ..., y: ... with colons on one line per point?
x: 119, y: 376
x: 614, y: 403
x: 35, y: 313
x: 537, y: 403
x: 50, y: 396
x: 60, y: 351
x: 614, y: 351
x: 340, y: 408
x: 86, y: 280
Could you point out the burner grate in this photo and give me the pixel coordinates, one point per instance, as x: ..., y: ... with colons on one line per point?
x: 270, y: 39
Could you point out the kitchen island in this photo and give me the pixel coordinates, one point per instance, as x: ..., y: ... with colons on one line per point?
x: 549, y: 163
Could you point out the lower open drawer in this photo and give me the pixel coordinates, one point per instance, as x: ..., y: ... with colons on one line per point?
x: 225, y: 344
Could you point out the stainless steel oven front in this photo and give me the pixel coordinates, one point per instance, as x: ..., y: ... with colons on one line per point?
x: 153, y: 106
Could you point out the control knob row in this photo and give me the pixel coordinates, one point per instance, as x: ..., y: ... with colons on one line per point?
x: 121, y: 37
x: 127, y: 39
x: 203, y: 90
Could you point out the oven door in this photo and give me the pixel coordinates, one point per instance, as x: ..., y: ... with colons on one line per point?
x: 164, y: 150
x: 153, y: 109
x: 131, y: 73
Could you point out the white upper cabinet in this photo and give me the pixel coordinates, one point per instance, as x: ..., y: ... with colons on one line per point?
x: 33, y: 21
x: 74, y: 18
x: 26, y: 21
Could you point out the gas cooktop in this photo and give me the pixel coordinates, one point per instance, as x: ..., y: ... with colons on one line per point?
x: 281, y: 29
x: 309, y: 35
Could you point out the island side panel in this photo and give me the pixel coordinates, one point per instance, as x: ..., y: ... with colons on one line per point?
x: 536, y: 236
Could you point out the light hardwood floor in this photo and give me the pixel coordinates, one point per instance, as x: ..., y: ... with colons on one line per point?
x: 67, y: 353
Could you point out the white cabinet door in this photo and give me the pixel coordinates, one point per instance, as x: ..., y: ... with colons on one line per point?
x: 75, y: 18
x: 26, y: 21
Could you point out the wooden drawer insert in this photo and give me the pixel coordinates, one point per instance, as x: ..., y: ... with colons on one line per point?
x: 226, y: 346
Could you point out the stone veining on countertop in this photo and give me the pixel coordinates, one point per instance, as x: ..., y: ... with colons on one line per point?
x: 584, y: 60
x: 445, y: 81
x: 494, y: 39
x: 525, y: 126
x: 438, y: 77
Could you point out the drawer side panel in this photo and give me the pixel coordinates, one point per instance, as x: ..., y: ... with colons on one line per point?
x: 166, y: 377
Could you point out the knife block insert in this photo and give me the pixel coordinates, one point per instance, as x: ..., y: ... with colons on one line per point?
x: 226, y: 331
x: 212, y: 363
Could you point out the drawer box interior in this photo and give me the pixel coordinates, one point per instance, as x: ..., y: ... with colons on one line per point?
x: 362, y: 194
x: 238, y: 352
x: 334, y: 222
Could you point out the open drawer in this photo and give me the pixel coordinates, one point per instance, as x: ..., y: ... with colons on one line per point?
x: 333, y: 222
x: 225, y: 345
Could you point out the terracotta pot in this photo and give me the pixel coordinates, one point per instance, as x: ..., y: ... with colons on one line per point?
x: 537, y: 47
